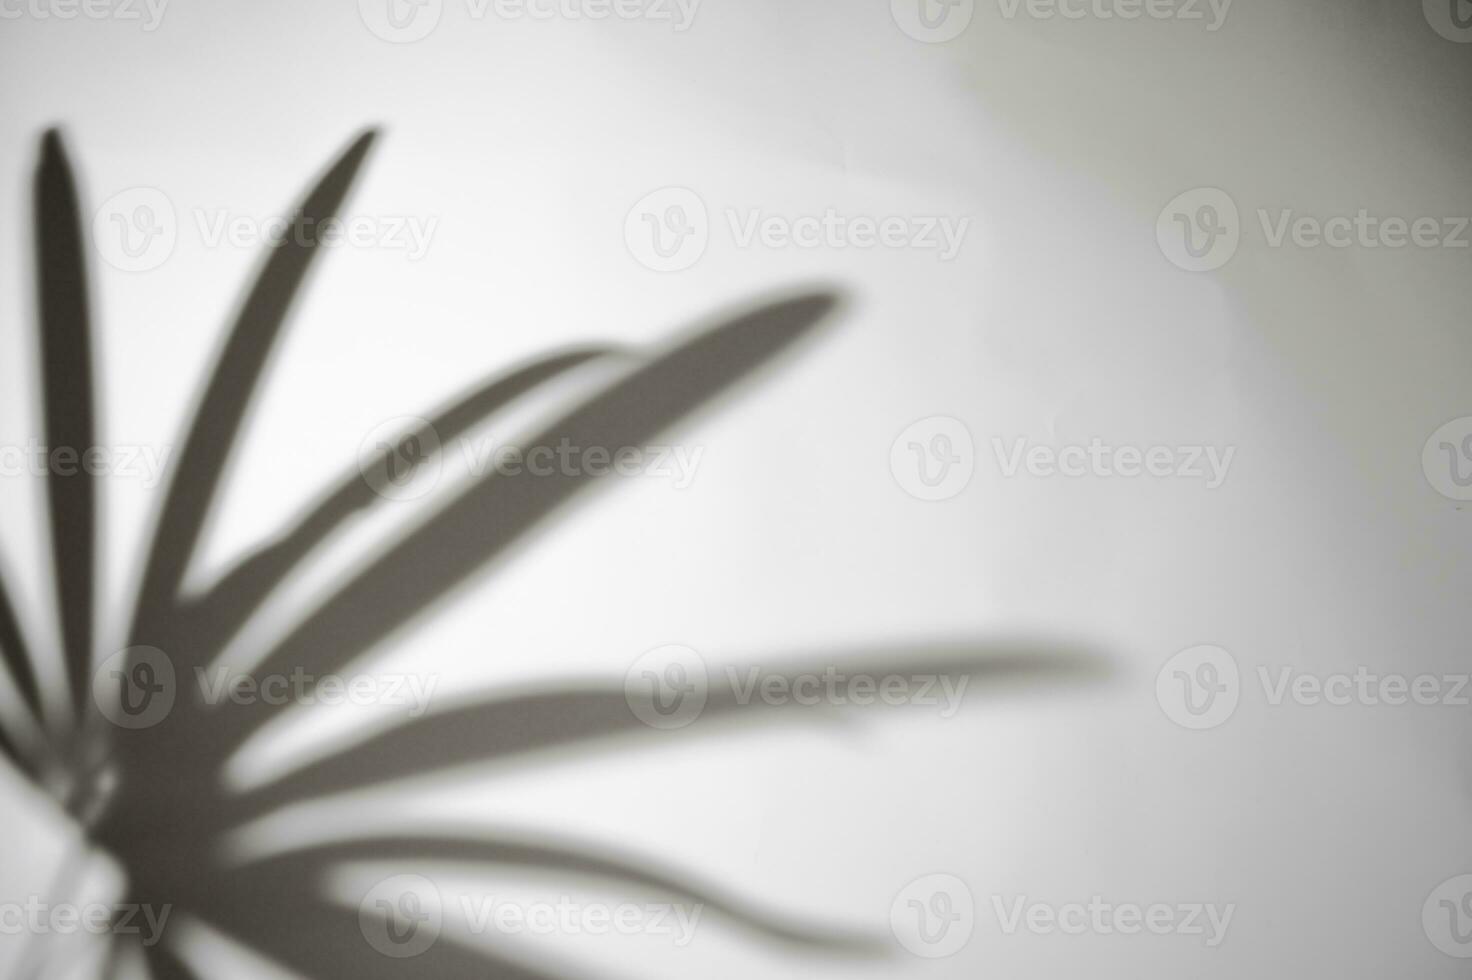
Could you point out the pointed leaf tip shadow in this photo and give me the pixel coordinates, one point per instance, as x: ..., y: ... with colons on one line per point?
x: 498, y: 510
x: 67, y: 399
x: 217, y: 420
x: 214, y: 617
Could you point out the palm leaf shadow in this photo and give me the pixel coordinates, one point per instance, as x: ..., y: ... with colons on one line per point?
x: 67, y: 386
x: 170, y: 811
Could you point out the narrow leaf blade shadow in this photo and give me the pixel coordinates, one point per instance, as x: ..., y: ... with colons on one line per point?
x: 216, y: 422
x: 503, y: 729
x: 285, y: 920
x: 498, y: 510
x: 575, y: 859
x: 16, y: 653
x: 214, y: 617
x: 67, y: 383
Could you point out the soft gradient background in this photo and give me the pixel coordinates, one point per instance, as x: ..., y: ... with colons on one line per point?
x: 1059, y: 321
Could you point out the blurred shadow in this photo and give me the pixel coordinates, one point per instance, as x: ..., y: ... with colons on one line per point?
x: 156, y: 799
